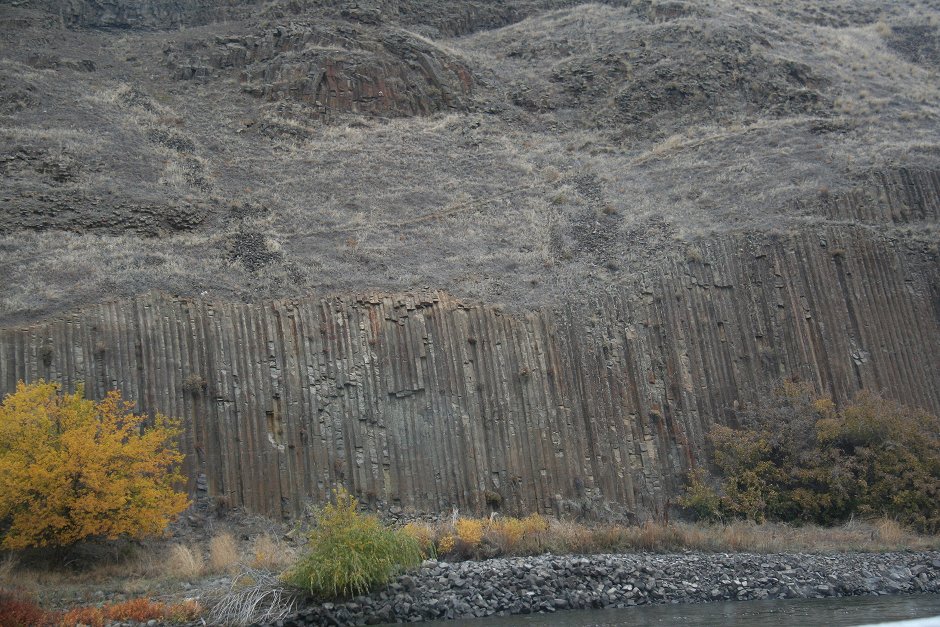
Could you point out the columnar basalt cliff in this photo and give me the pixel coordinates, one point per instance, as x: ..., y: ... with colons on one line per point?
x: 426, y: 402
x: 455, y: 253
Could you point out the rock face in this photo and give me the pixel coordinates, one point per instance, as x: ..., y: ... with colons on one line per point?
x: 676, y: 204
x: 334, y: 68
x: 425, y: 402
x: 143, y: 13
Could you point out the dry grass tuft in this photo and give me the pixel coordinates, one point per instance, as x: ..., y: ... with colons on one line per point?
x: 223, y: 553
x: 269, y: 554
x: 7, y: 566
x: 891, y: 533
x: 185, y: 562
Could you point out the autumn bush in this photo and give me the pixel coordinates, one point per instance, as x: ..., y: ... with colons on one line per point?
x: 139, y: 610
x: 797, y: 457
x: 19, y: 611
x: 72, y: 468
x: 90, y: 616
x: 349, y: 553
x: 466, y: 538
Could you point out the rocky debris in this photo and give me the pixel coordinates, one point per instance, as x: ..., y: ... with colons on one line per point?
x: 253, y: 250
x: 53, y: 166
x: 54, y: 184
x: 442, y: 18
x: 447, y: 18
x: 335, y: 67
x: 171, y: 139
x: 836, y: 13
x: 17, y: 93
x: 52, y: 202
x: 44, y: 211
x: 722, y: 68
x: 545, y: 584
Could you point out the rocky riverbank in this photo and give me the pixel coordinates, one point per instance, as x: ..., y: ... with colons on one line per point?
x: 441, y: 590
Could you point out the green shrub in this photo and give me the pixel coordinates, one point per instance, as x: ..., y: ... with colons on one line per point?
x: 350, y: 553
x: 700, y: 498
x: 797, y: 458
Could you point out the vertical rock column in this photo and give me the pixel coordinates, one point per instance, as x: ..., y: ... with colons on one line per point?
x: 427, y: 403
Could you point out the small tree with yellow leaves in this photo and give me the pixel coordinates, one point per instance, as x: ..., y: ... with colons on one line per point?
x: 72, y: 468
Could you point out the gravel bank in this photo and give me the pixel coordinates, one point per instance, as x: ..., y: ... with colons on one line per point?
x: 441, y: 590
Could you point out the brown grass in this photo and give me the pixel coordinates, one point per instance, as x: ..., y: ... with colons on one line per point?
x: 139, y: 574
x: 139, y: 610
x: 141, y: 570
x: 185, y: 562
x: 566, y: 537
x: 7, y: 566
x: 223, y: 553
x: 90, y: 616
x: 269, y: 554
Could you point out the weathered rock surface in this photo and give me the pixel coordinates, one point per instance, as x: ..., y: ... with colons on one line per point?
x: 545, y: 584
x: 442, y: 18
x: 674, y: 203
x: 676, y: 65
x: 425, y: 402
x: 333, y: 67
x: 143, y: 13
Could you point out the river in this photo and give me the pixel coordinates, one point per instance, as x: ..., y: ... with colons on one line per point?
x: 831, y: 612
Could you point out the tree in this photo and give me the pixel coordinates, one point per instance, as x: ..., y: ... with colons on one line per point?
x: 72, y: 468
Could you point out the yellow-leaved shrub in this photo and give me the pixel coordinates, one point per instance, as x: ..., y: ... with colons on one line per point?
x: 486, y: 537
x: 470, y: 531
x: 72, y: 468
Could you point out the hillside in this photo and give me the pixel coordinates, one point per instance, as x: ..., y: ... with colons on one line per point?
x: 432, y: 250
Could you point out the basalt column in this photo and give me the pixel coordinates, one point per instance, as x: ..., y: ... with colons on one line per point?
x: 426, y: 402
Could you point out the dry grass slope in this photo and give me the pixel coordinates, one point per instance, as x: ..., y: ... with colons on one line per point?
x: 595, y: 142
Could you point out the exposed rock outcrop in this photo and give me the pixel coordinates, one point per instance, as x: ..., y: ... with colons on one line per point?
x: 425, y: 402
x: 151, y: 14
x: 334, y: 68
x: 676, y: 204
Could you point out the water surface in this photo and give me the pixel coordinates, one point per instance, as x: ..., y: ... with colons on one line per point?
x: 775, y: 613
